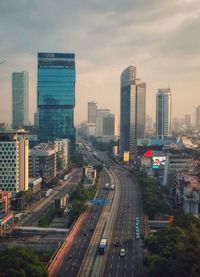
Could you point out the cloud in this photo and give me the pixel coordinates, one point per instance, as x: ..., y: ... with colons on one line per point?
x: 159, y: 37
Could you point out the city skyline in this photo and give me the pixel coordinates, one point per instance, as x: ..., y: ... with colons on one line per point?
x: 161, y: 46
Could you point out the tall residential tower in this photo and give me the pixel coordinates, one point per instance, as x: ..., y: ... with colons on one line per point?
x: 56, y: 96
x: 20, y: 99
x: 163, y: 113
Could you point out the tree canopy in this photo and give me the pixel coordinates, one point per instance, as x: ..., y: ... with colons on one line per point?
x: 21, y: 262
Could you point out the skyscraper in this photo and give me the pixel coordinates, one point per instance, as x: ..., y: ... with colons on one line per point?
x: 20, y: 99
x: 128, y: 139
x: 188, y: 121
x: 92, y: 112
x: 140, y: 108
x: 163, y: 113
x: 198, y: 117
x: 56, y: 96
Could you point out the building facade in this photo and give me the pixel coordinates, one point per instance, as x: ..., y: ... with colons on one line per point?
x: 198, y: 117
x: 92, y: 112
x: 140, y: 108
x: 6, y: 217
x: 62, y: 147
x: 163, y: 113
x: 14, y: 150
x: 128, y: 138
x: 20, y: 99
x: 43, y: 162
x: 101, y: 113
x: 56, y: 96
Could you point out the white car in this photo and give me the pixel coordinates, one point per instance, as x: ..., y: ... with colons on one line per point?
x: 122, y: 252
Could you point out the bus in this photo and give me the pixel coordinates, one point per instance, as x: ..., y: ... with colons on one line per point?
x: 102, y: 246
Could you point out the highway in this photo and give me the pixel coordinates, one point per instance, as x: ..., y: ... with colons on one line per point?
x: 129, y: 206
x: 73, y: 257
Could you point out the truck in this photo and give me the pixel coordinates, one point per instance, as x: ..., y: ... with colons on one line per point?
x: 102, y: 246
x: 49, y: 192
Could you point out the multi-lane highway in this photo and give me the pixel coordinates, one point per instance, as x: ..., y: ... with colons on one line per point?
x: 124, y: 236
x: 73, y: 257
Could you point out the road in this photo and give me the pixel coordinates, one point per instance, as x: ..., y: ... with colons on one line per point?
x: 33, y: 215
x: 74, y: 256
x: 124, y: 229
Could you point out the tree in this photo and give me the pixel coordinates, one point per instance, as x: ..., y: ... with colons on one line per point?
x: 21, y: 262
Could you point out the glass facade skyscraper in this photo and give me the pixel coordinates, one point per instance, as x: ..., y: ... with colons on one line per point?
x: 163, y: 113
x: 141, y: 107
x: 20, y: 99
x: 56, y: 96
x: 128, y: 139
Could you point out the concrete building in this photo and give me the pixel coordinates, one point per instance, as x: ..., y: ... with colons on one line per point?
x: 188, y: 121
x: 62, y: 147
x: 6, y: 217
x: 198, y: 117
x: 101, y: 113
x: 43, y: 162
x: 14, y: 150
x: 128, y: 137
x: 20, y: 99
x: 163, y: 113
x: 90, y: 129
x: 184, y: 192
x: 92, y: 112
x: 177, y: 163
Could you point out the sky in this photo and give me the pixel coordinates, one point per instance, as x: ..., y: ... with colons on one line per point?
x: 161, y: 38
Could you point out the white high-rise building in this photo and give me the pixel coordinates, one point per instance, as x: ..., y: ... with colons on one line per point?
x: 14, y: 154
x: 163, y: 113
x: 20, y: 99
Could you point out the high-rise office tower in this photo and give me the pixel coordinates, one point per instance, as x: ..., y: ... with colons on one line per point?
x: 140, y: 107
x: 56, y: 96
x: 14, y: 153
x: 198, y: 117
x: 128, y: 139
x: 163, y: 113
x: 101, y: 113
x: 92, y: 112
x: 188, y: 121
x: 20, y: 99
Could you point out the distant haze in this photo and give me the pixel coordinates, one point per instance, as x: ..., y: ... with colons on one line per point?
x: 161, y: 38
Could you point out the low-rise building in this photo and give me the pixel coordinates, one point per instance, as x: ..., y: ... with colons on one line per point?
x: 43, y: 162
x: 177, y: 163
x: 6, y: 217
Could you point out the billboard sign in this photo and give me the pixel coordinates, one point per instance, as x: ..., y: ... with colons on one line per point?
x: 126, y: 156
x: 158, y: 162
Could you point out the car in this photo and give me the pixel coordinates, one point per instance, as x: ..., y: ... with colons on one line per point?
x: 91, y: 229
x: 85, y: 234
x: 122, y: 252
x: 117, y: 243
x: 137, y: 235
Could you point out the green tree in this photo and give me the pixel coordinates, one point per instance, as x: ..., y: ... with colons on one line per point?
x: 21, y: 262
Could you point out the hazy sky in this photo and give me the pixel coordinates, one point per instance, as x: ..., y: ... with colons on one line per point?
x: 160, y: 37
